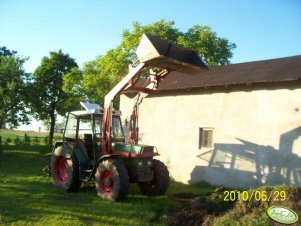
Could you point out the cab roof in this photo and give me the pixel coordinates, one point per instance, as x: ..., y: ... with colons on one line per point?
x: 91, y: 109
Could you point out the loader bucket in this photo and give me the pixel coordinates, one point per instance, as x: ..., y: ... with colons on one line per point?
x: 163, y: 54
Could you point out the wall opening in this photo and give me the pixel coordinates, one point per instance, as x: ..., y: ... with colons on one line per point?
x: 205, y: 137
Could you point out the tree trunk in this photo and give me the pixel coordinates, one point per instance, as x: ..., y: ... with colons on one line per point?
x: 52, y: 124
x: 2, y: 123
x: 1, y: 148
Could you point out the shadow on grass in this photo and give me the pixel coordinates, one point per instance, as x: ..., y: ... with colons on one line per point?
x: 28, y: 196
x: 27, y: 200
x: 23, y: 161
x: 42, y: 149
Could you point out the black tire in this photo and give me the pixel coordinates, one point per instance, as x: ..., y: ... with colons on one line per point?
x: 65, y: 172
x: 160, y: 182
x: 111, y: 180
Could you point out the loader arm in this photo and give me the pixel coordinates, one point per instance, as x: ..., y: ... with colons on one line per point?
x: 107, y: 116
x: 155, y: 53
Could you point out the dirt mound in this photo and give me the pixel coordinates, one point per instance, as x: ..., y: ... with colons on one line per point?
x: 196, y: 209
x: 211, y: 209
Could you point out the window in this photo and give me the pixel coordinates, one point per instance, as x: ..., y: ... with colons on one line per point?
x: 85, y: 126
x: 117, y: 131
x: 70, y: 131
x: 205, y: 137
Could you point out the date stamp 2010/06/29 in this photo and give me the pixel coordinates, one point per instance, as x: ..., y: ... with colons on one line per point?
x: 257, y: 195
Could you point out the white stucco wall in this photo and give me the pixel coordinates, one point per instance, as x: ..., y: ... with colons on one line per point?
x: 257, y: 135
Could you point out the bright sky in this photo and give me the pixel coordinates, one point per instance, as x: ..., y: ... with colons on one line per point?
x: 85, y: 29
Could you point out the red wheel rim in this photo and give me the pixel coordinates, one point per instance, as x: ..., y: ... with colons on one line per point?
x: 106, y: 181
x: 61, y: 169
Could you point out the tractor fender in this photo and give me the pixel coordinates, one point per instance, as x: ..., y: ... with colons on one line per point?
x: 65, y: 150
x: 68, y: 148
x: 58, y: 143
x: 105, y: 157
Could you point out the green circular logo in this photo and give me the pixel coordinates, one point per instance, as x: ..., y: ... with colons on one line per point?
x: 283, y: 215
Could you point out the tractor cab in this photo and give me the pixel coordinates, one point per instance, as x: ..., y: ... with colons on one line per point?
x: 82, y: 141
x: 84, y: 130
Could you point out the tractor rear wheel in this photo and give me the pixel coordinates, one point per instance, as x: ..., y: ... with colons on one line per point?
x: 111, y: 180
x: 65, y: 172
x: 160, y: 182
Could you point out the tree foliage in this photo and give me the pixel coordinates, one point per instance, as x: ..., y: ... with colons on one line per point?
x: 72, y: 87
x: 213, y: 49
x: 101, y: 74
x: 4, y: 51
x: 12, y: 89
x: 49, y: 96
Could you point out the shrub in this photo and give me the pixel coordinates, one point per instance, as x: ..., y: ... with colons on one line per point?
x: 27, y: 139
x: 8, y: 141
x: 36, y: 140
x: 45, y: 140
x: 17, y: 141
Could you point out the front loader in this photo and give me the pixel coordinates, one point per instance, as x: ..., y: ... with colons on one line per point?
x: 94, y: 145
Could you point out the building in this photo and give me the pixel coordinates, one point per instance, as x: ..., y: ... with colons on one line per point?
x: 237, y: 125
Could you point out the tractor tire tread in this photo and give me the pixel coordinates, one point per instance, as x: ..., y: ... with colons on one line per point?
x: 161, y: 175
x: 73, y: 182
x: 121, y: 180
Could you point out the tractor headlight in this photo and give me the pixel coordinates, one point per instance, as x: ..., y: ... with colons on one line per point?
x: 149, y: 162
x: 140, y: 163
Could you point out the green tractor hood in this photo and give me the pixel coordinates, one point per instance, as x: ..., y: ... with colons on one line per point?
x: 134, y: 150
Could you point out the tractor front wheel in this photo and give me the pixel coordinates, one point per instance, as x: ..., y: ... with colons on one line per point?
x: 65, y: 172
x: 160, y: 182
x: 111, y: 180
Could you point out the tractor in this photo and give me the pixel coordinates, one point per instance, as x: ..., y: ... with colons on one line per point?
x: 94, y: 145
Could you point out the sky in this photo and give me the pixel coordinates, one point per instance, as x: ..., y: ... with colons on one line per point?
x: 86, y: 29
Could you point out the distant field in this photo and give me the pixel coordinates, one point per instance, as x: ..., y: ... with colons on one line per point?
x: 18, y: 137
x: 12, y: 133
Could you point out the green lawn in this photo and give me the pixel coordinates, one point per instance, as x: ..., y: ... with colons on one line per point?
x: 28, y: 197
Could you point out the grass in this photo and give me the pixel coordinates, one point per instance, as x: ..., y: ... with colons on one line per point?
x: 28, y: 197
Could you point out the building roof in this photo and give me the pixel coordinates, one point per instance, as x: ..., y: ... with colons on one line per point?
x: 266, y: 71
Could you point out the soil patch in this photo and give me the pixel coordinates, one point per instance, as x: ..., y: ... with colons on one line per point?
x: 211, y: 209
x: 196, y: 210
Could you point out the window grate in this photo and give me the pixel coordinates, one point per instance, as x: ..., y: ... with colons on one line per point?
x: 205, y: 138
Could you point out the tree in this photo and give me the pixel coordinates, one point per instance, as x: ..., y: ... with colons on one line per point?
x: 72, y: 87
x: 213, y: 49
x: 4, y: 51
x: 12, y: 89
x: 101, y: 74
x: 48, y: 93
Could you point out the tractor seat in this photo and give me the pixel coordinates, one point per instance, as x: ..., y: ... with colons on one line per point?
x: 89, y: 144
x: 82, y: 146
x: 86, y: 145
x: 88, y: 138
